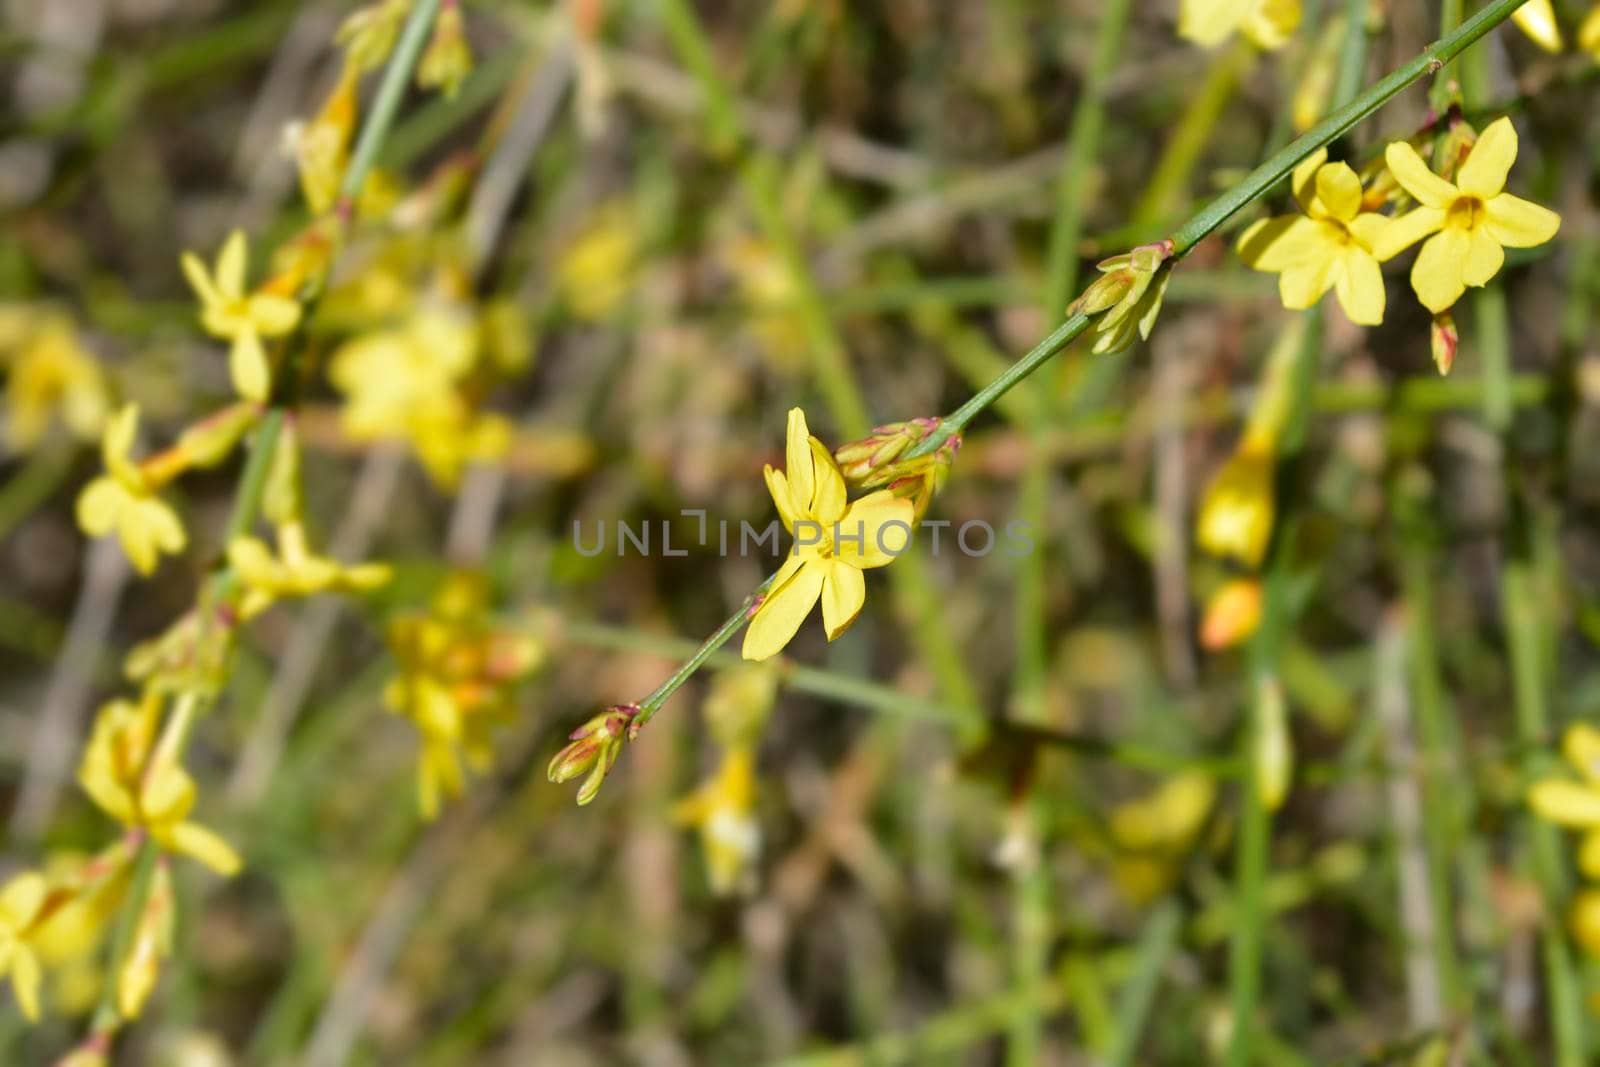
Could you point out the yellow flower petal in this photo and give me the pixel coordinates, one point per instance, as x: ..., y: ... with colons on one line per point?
x: 1359, y: 285
x: 798, y: 463
x: 1301, y: 286
x: 247, y: 365
x: 1437, y: 274
x: 874, y: 531
x: 1370, y: 230
x: 1303, y: 182
x: 1566, y: 803
x: 1413, y: 174
x: 1581, y: 746
x: 844, y: 590
x: 231, y: 263
x: 828, y: 503
x: 1209, y: 22
x: 200, y: 279
x: 273, y: 315
x: 209, y: 848
x: 1537, y: 19
x: 1403, y: 231
x: 98, y: 506
x: 1518, y: 223
x: 1272, y: 23
x: 784, y: 608
x: 1484, y: 173
x: 1484, y: 259
x: 1589, y: 855
x: 21, y: 898
x: 778, y: 486
x: 1279, y: 243
x: 1339, y: 190
x: 1589, y: 33
x: 25, y: 980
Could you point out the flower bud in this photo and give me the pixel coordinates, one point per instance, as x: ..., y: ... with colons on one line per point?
x: 1445, y: 340
x: 321, y: 148
x: 1127, y: 297
x: 594, y: 747
x: 448, y: 59
x: 281, y: 500
x: 368, y: 35
x: 1237, y: 512
x: 861, y: 460
x: 1232, y: 615
x: 208, y: 442
x: 1273, y: 748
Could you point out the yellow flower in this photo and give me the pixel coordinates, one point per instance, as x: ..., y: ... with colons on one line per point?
x: 21, y: 902
x: 295, y: 571
x: 321, y: 147
x: 227, y: 311
x: 597, y: 270
x: 1571, y: 803
x: 1329, y: 246
x: 448, y: 59
x: 456, y: 680
x: 723, y: 811
x: 124, y: 501
x: 1232, y: 614
x: 1472, y: 221
x: 834, y: 543
x: 52, y: 373
x: 1267, y: 23
x: 1589, y: 33
x: 407, y: 383
x: 1237, y: 512
x: 140, y: 783
x: 1537, y: 19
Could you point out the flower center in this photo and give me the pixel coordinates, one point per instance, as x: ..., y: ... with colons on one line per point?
x: 1465, y: 212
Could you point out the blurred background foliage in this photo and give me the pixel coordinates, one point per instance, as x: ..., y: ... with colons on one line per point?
x: 997, y: 821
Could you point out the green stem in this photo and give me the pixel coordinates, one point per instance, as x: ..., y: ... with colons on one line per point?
x: 387, y: 103
x: 1254, y: 186
x: 652, y: 703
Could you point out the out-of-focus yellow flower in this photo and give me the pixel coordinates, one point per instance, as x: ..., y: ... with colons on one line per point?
x: 1267, y: 23
x: 1567, y: 802
x: 294, y: 571
x: 51, y: 374
x: 1583, y: 919
x: 1329, y: 246
x: 21, y: 901
x: 229, y: 312
x: 1537, y: 19
x: 407, y: 384
x: 123, y: 500
x: 140, y: 783
x: 766, y: 281
x: 1314, y: 88
x: 1232, y: 614
x: 456, y: 684
x: 321, y: 148
x: 723, y: 811
x: 1151, y: 833
x: 368, y: 34
x: 1237, y: 512
x: 1471, y: 220
x: 597, y: 271
x: 834, y: 543
x: 448, y: 58
x: 1589, y: 33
